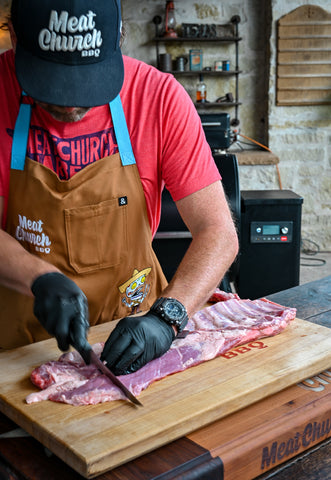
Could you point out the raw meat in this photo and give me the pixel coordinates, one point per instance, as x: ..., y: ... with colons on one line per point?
x: 210, y: 332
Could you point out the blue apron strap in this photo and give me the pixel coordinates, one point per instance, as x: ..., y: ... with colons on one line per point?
x: 21, y: 133
x: 20, y: 137
x: 121, y: 132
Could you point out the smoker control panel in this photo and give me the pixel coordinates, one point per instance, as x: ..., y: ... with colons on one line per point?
x: 271, y: 232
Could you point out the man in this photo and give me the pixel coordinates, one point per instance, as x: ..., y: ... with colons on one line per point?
x: 88, y: 139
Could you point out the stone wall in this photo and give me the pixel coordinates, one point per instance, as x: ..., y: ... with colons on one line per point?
x: 298, y: 136
x: 253, y: 85
x: 301, y: 137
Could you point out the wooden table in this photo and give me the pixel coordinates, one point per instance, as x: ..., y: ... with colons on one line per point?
x: 313, y: 303
x: 188, y: 458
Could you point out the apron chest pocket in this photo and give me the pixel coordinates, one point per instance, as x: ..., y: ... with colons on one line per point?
x: 94, y: 235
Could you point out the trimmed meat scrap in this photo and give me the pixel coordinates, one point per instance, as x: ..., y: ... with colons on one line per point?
x: 210, y: 332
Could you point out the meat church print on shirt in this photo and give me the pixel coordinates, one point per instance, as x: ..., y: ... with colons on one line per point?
x: 135, y: 289
x: 67, y: 156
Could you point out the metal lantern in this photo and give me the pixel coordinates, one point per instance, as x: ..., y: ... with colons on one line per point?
x: 170, y: 20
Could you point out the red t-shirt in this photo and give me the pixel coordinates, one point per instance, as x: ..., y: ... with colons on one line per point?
x: 165, y: 130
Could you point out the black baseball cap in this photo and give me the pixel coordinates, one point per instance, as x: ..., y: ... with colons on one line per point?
x: 68, y: 51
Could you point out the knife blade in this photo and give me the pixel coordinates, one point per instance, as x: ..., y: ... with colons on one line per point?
x: 89, y: 356
x: 15, y: 433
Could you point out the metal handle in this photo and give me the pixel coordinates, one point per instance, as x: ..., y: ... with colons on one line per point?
x: 211, y: 124
x: 169, y: 235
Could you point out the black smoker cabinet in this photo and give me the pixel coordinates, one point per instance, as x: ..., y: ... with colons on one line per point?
x: 269, y: 258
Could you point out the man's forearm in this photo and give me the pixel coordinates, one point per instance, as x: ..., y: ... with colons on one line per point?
x: 205, y: 263
x: 213, y: 248
x: 19, y: 268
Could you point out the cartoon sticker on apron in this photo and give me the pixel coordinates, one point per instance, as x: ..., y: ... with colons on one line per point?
x: 136, y: 289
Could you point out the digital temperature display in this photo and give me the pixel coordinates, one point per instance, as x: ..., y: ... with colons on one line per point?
x: 270, y: 230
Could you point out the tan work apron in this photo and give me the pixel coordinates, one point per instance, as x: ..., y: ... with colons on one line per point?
x: 94, y: 228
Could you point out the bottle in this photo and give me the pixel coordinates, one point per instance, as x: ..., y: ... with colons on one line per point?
x: 201, y: 92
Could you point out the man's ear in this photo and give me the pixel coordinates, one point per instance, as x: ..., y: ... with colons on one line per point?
x: 12, y: 33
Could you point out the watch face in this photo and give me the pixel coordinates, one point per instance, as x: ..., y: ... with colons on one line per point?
x: 173, y: 310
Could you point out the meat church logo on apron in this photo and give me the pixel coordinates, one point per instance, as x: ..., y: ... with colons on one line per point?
x: 136, y: 289
x: 31, y: 231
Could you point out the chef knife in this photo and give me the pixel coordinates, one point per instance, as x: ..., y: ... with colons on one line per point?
x: 89, y: 356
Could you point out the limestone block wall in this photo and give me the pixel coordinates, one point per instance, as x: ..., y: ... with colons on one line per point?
x: 253, y: 85
x: 300, y: 136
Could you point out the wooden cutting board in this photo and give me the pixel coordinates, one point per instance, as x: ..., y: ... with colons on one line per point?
x: 94, y: 439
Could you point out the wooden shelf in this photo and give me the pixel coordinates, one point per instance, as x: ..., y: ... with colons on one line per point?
x: 227, y: 33
x: 215, y: 104
x: 213, y: 73
x: 255, y: 157
x: 197, y: 39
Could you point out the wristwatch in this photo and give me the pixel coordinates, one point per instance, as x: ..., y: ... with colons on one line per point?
x: 171, y: 311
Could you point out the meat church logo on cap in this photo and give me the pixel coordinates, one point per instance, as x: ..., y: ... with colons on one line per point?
x: 71, y: 34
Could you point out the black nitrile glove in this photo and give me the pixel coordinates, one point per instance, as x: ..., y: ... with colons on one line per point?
x: 61, y: 308
x: 135, y: 341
